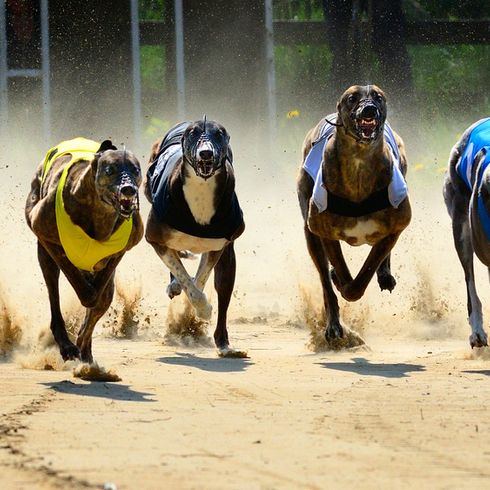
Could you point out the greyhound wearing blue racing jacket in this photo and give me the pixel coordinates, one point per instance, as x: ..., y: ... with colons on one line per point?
x: 467, y: 196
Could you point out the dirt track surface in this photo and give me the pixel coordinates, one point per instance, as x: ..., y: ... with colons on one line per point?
x: 411, y: 412
x: 402, y: 415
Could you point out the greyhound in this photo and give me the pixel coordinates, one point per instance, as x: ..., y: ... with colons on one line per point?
x: 467, y: 196
x: 191, y: 185
x: 351, y: 187
x: 83, y: 208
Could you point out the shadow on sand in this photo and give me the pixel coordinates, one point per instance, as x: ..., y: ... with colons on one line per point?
x: 363, y: 367
x: 485, y: 372
x: 112, y: 391
x: 217, y: 365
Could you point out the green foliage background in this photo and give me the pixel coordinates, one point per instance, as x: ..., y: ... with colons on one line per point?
x: 451, y: 82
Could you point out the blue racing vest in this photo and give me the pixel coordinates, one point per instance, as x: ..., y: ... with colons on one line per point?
x: 479, y: 140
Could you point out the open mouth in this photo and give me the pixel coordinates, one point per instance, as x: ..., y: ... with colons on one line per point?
x: 367, y: 128
x: 125, y: 205
x: 205, y: 168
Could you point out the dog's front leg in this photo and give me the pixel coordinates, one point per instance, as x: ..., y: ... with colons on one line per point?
x: 464, y: 248
x: 92, y: 316
x: 206, y: 265
x: 339, y: 273
x: 317, y: 250
x: 102, y: 277
x: 84, y: 288
x: 51, y: 273
x: 378, y: 253
x: 197, y: 298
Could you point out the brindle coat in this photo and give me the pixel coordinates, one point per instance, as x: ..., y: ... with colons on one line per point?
x: 356, y: 169
x: 85, y: 196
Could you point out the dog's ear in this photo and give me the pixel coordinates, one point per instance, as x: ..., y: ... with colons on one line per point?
x: 106, y: 145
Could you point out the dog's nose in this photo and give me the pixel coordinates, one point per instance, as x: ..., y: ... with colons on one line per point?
x: 206, y: 154
x: 128, y: 191
x: 369, y: 111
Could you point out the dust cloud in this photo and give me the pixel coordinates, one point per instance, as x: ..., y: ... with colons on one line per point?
x: 273, y: 267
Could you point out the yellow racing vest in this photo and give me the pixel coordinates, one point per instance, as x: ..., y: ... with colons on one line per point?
x: 82, y: 250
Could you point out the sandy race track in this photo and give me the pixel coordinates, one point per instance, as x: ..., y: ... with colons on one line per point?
x: 401, y: 416
x: 410, y: 410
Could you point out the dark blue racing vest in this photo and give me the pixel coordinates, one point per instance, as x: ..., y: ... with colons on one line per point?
x: 479, y: 140
x: 173, y: 210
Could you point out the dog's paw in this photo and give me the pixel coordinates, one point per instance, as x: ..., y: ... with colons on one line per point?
x: 202, y: 306
x: 69, y: 352
x: 386, y: 282
x: 232, y: 353
x: 334, y: 331
x: 174, y: 289
x: 478, y: 339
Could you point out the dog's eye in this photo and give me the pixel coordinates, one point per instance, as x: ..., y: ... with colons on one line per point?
x: 351, y: 98
x: 109, y: 170
x: 378, y: 97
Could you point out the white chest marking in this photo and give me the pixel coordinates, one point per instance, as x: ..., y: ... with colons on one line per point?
x: 182, y: 241
x: 199, y: 194
x: 361, y: 231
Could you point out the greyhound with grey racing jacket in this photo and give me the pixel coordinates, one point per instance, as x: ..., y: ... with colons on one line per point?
x: 351, y: 188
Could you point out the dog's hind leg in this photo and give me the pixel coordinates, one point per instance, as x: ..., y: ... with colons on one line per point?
x: 197, y: 298
x: 464, y: 248
x: 385, y: 279
x: 224, y: 282
x: 92, y: 316
x: 174, y: 288
x: 318, y: 254
x: 51, y: 273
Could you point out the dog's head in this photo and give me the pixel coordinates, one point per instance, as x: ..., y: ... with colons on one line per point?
x: 205, y: 145
x: 362, y: 112
x: 117, y: 178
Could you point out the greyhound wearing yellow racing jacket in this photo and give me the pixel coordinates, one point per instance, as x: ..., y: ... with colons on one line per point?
x: 84, y: 209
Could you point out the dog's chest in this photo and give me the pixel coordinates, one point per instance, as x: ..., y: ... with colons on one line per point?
x: 182, y: 241
x: 200, y: 197
x: 362, y: 233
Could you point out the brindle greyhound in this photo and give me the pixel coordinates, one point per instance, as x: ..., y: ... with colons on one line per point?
x: 467, y: 197
x: 351, y: 188
x: 83, y: 208
x: 191, y: 185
